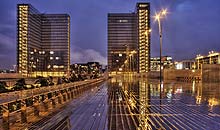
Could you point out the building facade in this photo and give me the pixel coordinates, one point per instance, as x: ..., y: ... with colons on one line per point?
x: 43, y: 42
x: 166, y: 61
x: 211, y: 58
x: 89, y: 70
x: 128, y: 40
x: 122, y: 40
x: 143, y: 20
x: 185, y: 64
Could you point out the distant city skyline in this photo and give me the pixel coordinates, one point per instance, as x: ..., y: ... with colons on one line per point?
x: 191, y: 27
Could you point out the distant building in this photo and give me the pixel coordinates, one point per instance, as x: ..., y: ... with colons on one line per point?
x: 166, y: 63
x: 86, y: 69
x: 211, y: 58
x: 7, y: 71
x: 185, y: 64
x: 43, y: 42
x: 129, y: 40
x: 79, y: 68
x: 94, y: 68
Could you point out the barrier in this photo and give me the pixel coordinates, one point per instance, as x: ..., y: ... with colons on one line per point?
x: 41, y: 100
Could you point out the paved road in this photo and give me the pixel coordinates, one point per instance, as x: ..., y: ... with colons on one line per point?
x: 136, y: 105
x: 130, y: 106
x: 92, y: 112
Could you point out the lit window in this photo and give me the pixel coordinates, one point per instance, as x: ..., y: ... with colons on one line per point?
x: 57, y: 58
x: 122, y: 21
x: 51, y: 58
x: 55, y: 66
x: 120, y: 55
x: 51, y: 52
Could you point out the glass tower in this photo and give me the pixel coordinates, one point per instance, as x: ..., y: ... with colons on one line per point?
x: 43, y: 42
x: 122, y: 42
x: 129, y: 40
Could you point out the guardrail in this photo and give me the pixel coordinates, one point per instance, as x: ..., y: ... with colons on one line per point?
x: 23, y: 94
x: 43, y: 97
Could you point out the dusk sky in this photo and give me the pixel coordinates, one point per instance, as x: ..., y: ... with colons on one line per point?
x: 191, y: 27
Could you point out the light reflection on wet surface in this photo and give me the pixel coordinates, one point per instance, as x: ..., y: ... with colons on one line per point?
x: 129, y: 104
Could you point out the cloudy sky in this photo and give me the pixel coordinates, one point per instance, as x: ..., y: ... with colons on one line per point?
x: 191, y: 27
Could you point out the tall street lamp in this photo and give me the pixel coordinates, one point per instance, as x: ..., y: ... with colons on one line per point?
x: 158, y: 17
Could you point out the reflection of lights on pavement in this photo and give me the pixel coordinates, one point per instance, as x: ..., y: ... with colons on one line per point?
x: 120, y: 84
x: 113, y: 80
x: 119, y: 97
x: 132, y: 103
x: 193, y: 87
x: 213, y: 102
x: 162, y: 86
x: 198, y: 99
x: 169, y: 95
x: 179, y: 90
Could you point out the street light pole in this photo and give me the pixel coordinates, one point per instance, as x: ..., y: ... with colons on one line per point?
x: 160, y: 33
x: 158, y: 17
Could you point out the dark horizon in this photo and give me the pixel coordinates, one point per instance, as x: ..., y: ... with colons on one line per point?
x: 190, y: 25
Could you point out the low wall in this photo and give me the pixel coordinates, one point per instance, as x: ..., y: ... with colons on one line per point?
x: 172, y: 74
x: 22, y: 94
x: 10, y: 76
x: 210, y: 73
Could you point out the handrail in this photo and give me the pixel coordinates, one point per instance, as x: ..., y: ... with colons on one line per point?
x: 24, y: 94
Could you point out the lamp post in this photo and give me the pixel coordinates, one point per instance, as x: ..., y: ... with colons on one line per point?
x: 158, y: 17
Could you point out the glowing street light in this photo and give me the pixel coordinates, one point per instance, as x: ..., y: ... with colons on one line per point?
x: 158, y: 17
x: 164, y: 12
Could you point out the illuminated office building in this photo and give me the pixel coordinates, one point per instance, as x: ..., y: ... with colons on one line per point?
x: 43, y: 42
x: 143, y: 14
x: 166, y: 62
x: 122, y: 40
x: 129, y: 40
